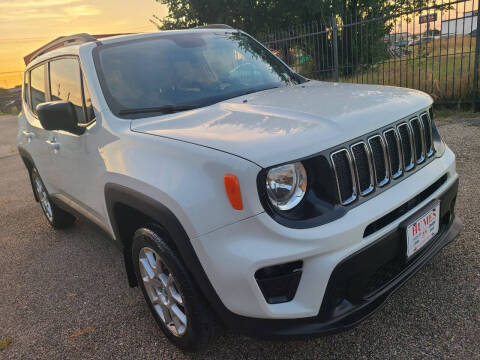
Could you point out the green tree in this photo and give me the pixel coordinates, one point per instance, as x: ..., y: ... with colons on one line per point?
x: 360, y: 44
x: 263, y: 15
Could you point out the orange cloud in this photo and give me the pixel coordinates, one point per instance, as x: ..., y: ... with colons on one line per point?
x: 25, y: 25
x: 35, y: 4
x: 60, y: 10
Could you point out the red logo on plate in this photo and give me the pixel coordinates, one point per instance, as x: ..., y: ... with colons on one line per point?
x: 426, y: 221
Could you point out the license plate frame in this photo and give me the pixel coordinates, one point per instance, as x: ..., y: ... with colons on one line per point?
x: 421, y: 228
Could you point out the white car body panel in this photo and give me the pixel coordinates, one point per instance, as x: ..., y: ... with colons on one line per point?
x: 167, y: 166
x: 289, y: 123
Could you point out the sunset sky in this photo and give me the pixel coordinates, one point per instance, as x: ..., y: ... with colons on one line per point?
x: 25, y: 25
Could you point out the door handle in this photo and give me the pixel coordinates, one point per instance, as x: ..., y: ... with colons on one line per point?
x: 29, y: 135
x: 55, y: 146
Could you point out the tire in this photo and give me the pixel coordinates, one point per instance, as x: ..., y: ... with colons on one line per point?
x: 56, y: 217
x: 167, y: 288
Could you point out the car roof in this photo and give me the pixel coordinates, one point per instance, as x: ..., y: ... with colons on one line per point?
x: 60, y: 46
x: 120, y: 38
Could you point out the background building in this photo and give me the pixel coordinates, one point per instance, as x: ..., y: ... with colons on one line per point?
x: 462, y: 25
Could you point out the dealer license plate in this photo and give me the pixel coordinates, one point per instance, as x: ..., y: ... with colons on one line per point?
x: 422, y: 230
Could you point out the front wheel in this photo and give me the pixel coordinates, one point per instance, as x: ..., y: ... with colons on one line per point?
x: 56, y: 217
x: 174, y: 300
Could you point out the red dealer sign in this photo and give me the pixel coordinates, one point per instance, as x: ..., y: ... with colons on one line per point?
x: 428, y: 18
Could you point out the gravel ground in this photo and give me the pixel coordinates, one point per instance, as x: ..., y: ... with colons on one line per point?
x: 63, y: 294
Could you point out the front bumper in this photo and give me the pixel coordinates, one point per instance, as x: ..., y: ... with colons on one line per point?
x: 348, y: 314
x: 345, y: 314
x: 333, y: 256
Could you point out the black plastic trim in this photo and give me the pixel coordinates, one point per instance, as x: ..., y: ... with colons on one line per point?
x: 73, y: 211
x: 279, y: 283
x: 404, y: 208
x: 29, y: 164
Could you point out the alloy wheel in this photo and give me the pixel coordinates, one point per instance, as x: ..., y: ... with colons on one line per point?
x: 162, y: 291
x: 43, y: 197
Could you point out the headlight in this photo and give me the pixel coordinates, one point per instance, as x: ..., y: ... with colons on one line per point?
x: 286, y: 185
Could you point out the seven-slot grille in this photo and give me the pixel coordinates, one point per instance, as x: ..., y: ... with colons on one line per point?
x: 372, y: 163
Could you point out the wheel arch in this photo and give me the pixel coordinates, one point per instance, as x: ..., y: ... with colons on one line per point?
x: 29, y: 164
x: 128, y: 209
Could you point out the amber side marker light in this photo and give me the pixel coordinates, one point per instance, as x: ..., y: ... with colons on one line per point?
x: 232, y: 188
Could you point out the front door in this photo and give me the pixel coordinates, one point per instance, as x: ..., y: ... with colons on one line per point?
x: 35, y: 137
x: 75, y: 159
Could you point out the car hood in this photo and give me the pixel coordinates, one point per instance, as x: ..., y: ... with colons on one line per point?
x: 288, y: 123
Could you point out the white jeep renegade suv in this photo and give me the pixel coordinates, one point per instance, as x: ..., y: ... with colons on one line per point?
x: 239, y: 192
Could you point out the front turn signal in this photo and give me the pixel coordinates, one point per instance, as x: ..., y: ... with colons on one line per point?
x: 232, y: 188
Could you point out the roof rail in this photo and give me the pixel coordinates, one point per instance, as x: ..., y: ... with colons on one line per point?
x: 59, y: 42
x: 214, y: 26
x: 63, y: 41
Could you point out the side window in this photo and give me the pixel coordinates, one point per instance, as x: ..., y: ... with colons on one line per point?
x: 37, y: 88
x: 65, y: 84
x: 88, y: 102
x: 26, y: 86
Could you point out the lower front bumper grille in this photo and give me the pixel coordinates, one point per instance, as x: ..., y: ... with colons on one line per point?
x: 368, y: 272
x: 404, y: 208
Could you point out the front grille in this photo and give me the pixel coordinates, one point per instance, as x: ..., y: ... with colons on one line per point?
x: 380, y: 157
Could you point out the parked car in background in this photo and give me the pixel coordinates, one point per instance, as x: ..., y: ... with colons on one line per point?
x: 425, y: 39
x: 240, y: 193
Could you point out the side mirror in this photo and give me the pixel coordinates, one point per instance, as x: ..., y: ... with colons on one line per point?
x: 59, y: 115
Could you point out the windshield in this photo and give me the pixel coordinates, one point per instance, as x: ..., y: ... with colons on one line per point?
x: 177, y: 72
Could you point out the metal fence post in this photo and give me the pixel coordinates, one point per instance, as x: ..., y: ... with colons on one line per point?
x: 476, y: 104
x: 335, y: 46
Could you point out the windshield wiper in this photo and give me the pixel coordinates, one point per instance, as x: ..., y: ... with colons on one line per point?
x: 251, y: 91
x: 170, y: 109
x: 166, y: 109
